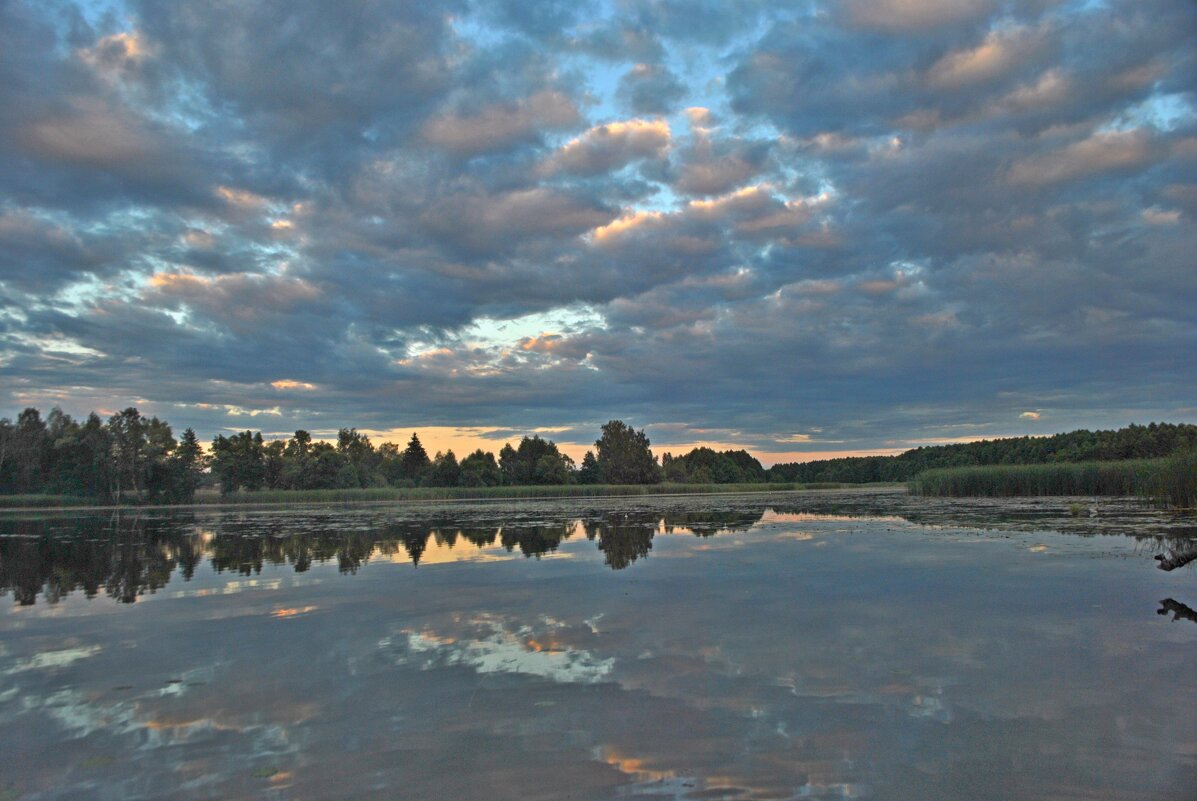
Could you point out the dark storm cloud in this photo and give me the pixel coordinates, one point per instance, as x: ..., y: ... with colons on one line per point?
x: 876, y: 222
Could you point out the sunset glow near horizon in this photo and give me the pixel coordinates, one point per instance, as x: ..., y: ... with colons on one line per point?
x: 804, y: 229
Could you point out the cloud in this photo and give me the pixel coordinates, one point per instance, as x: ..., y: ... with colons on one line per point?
x: 906, y: 15
x: 651, y: 89
x: 484, y: 223
x: 608, y: 147
x: 290, y: 383
x: 241, y: 302
x: 501, y: 125
x: 39, y: 254
x: 713, y: 165
x: 1098, y: 153
x: 1001, y: 50
x: 885, y: 220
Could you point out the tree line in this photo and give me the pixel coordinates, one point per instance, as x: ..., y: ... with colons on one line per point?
x: 127, y: 457
x: 621, y: 455
x: 1133, y: 442
x: 130, y: 457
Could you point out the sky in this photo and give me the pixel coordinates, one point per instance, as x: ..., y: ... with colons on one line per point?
x: 802, y: 228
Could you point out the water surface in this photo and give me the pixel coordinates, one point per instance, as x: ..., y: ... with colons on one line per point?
x: 802, y: 646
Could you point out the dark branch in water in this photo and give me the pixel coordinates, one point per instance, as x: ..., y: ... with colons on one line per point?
x: 1175, y: 559
x: 1177, y: 609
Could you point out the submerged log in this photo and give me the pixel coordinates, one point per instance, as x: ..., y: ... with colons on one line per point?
x: 1175, y: 559
x: 1177, y: 610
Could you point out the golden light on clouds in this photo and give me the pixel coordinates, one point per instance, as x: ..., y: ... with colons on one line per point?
x: 240, y: 197
x: 1000, y: 51
x: 626, y: 223
x: 657, y: 129
x: 177, y: 280
x: 465, y: 440
x: 130, y: 44
x: 756, y: 192
x: 544, y: 343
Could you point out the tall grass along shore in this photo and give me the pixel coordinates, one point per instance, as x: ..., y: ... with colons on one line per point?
x: 382, y: 494
x: 1172, y: 480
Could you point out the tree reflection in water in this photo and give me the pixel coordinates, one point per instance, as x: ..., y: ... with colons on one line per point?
x: 128, y: 556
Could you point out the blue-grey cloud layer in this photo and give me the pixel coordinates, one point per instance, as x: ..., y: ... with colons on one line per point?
x: 827, y: 228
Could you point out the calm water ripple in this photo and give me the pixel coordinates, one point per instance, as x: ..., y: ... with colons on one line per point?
x: 831, y: 646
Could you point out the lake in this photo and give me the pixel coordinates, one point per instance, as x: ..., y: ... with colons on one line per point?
x: 820, y: 645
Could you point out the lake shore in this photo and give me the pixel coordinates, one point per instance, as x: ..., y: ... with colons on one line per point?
x: 424, y: 495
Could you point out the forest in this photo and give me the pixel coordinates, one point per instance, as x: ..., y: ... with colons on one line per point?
x: 1133, y: 442
x: 131, y: 458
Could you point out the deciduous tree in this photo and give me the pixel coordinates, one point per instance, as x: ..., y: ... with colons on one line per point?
x: 624, y: 456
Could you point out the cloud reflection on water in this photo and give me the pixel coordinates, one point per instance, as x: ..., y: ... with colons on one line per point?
x: 890, y: 662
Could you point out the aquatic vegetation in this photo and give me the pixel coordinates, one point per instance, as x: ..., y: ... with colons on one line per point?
x: 464, y: 493
x: 1176, y: 484
x: 26, y: 501
x: 1172, y: 480
x: 1128, y: 477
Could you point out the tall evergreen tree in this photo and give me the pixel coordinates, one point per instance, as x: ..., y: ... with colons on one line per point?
x: 589, y: 472
x: 414, y: 459
x: 188, y: 467
x: 509, y: 464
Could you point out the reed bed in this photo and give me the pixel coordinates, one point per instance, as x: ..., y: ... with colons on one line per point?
x: 210, y: 497
x: 39, y: 500
x: 1177, y: 484
x: 484, y: 493
x: 1134, y: 477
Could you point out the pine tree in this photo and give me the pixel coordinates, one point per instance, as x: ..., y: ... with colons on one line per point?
x: 187, y: 468
x: 414, y: 460
x: 589, y: 473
